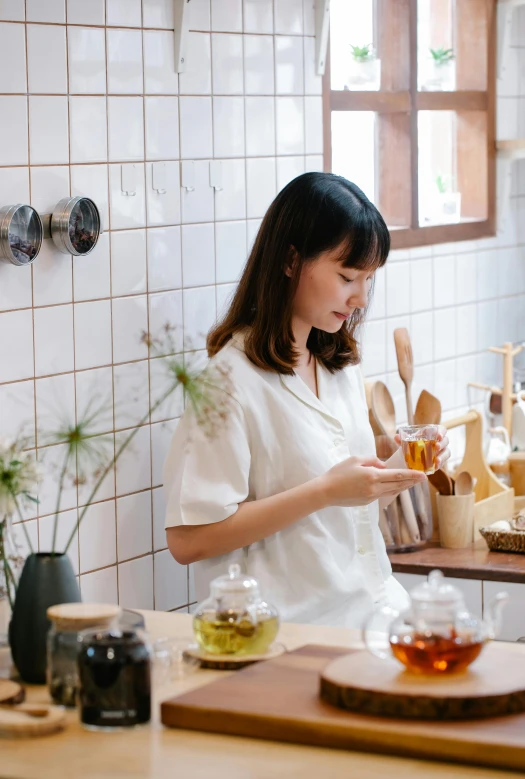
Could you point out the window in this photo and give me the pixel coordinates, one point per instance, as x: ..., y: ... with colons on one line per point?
x: 409, y: 113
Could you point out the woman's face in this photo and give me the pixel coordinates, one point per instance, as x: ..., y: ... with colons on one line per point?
x: 328, y: 293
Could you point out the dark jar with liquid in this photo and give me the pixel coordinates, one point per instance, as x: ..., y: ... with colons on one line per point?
x: 114, y: 669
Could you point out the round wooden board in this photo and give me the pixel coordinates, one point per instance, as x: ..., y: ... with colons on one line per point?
x: 492, y: 686
x: 31, y: 719
x: 11, y: 692
x: 232, y: 662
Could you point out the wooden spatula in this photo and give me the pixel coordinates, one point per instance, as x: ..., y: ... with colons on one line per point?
x: 405, y: 364
x: 428, y: 409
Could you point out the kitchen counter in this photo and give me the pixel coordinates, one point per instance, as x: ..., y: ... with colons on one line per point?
x: 473, y: 562
x: 155, y: 752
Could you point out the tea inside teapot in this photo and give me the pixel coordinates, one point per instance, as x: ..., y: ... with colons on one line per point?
x: 235, y: 619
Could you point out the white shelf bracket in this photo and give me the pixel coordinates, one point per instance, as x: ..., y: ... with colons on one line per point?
x: 322, y: 27
x: 505, y: 12
x: 181, y: 20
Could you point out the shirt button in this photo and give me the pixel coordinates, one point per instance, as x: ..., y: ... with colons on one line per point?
x: 361, y: 550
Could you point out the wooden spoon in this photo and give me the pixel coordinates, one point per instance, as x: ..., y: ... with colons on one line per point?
x: 383, y: 409
x: 464, y: 484
x: 442, y: 482
x: 428, y: 409
x: 405, y: 364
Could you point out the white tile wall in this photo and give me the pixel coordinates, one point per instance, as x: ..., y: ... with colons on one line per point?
x: 90, y: 87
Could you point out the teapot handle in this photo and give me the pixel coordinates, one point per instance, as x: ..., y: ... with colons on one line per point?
x: 379, y: 621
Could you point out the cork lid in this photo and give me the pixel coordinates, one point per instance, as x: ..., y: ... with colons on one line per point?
x: 77, y: 616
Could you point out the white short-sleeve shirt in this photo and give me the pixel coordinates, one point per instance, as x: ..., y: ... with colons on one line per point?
x: 330, y: 567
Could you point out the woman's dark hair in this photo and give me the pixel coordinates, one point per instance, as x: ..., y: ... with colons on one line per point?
x: 314, y: 213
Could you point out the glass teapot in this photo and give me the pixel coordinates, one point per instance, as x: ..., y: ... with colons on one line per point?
x: 235, y: 620
x: 436, y: 634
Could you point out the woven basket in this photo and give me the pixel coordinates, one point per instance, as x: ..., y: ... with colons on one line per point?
x: 504, y: 540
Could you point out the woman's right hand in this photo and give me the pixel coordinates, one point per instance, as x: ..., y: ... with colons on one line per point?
x: 358, y: 481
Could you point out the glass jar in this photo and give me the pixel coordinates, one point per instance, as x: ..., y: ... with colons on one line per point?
x: 235, y: 620
x: 67, y: 619
x: 406, y: 523
x: 114, y: 668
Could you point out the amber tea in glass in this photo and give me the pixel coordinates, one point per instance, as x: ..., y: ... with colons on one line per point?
x: 431, y: 654
x: 420, y: 447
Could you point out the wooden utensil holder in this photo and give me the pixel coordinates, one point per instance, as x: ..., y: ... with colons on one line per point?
x: 456, y: 520
x: 493, y: 500
x: 517, y: 472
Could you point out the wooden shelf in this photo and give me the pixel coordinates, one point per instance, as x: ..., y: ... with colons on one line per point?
x: 473, y: 562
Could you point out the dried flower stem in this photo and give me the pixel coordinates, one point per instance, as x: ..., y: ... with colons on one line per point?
x: 114, y: 459
x: 59, y: 497
x: 22, y: 521
x: 8, y: 574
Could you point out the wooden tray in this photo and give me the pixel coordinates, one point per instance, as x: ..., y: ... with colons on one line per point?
x: 279, y: 700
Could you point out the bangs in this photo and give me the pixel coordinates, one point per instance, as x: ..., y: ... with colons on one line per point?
x: 367, y: 243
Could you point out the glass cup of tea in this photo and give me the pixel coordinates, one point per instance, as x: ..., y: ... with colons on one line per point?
x: 420, y: 445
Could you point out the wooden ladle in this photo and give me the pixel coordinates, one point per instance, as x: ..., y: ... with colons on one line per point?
x: 383, y: 409
x: 428, y: 409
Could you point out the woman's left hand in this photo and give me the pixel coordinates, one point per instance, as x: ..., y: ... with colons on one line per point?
x: 443, y: 450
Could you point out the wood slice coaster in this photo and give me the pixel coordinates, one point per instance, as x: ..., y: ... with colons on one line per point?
x: 31, y: 719
x: 492, y: 686
x: 231, y: 662
x: 11, y: 692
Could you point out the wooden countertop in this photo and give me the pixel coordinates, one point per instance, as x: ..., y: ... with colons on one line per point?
x: 474, y: 562
x: 155, y: 752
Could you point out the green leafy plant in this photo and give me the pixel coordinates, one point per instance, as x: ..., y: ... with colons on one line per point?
x: 363, y: 53
x: 444, y: 184
x: 90, y: 455
x: 442, y: 56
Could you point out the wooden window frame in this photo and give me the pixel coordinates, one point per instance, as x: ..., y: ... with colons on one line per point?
x: 397, y: 109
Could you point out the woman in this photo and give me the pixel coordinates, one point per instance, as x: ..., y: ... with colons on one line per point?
x: 278, y: 489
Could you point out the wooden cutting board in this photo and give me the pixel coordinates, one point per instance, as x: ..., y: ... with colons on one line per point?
x: 279, y: 700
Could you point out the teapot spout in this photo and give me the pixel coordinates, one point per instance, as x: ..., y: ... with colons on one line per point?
x: 493, y: 614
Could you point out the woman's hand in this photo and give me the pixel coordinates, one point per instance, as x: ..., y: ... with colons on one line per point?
x: 358, y: 481
x: 443, y: 450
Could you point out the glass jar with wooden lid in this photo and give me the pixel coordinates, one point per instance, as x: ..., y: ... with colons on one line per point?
x: 67, y: 620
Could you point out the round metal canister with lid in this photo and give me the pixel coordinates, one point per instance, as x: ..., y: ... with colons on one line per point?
x: 21, y: 234
x: 75, y: 225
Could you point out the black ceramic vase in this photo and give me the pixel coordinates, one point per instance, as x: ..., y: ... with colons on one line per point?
x: 45, y: 581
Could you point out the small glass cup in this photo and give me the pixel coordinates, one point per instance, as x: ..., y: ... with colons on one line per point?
x: 420, y: 447
x: 171, y: 661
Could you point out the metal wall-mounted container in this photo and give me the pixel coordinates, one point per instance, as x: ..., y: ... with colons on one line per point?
x: 21, y: 234
x: 75, y: 225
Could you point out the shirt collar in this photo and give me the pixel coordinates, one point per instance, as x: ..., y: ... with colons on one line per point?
x: 295, y: 385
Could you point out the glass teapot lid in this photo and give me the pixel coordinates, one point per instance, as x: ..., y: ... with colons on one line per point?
x: 437, y: 592
x: 235, y: 583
